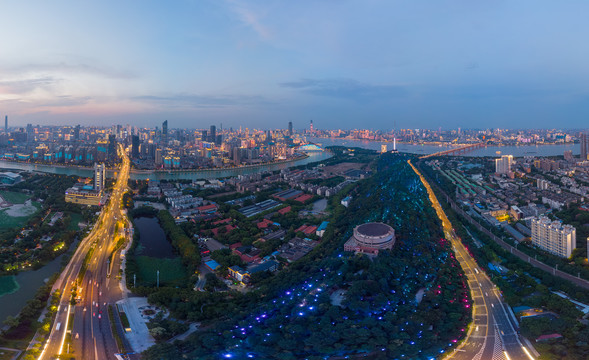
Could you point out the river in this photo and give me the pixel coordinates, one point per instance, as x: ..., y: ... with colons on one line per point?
x: 29, y: 283
x: 523, y: 150
x: 167, y: 175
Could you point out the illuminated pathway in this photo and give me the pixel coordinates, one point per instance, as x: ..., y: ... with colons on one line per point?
x: 492, y: 334
x: 90, y: 331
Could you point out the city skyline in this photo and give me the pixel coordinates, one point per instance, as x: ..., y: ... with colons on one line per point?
x: 381, y: 64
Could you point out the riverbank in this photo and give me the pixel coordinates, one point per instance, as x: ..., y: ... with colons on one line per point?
x: 156, y: 171
x: 286, y: 161
x: 189, y: 174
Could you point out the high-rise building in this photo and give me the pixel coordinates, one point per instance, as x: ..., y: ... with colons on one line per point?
x: 77, y: 132
x: 158, y: 157
x: 213, y: 133
x: 290, y: 128
x: 568, y: 155
x: 503, y: 165
x: 99, y: 177
x: 112, y: 146
x: 204, y: 135
x: 584, y: 146
x: 311, y: 127
x: 6, y: 124
x: 165, y: 132
x: 553, y: 237
x: 134, y: 146
x: 30, y: 133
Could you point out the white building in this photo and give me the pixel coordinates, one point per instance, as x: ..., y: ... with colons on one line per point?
x: 554, y: 237
x: 542, y: 184
x: 503, y: 165
x: 99, y: 177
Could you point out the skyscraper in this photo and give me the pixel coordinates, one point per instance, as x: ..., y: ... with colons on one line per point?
x: 584, y: 146
x: 213, y: 133
x: 311, y: 127
x: 99, y: 176
x: 6, y: 124
x: 165, y: 132
x: 135, y: 146
x: 77, y: 132
x: 30, y: 133
x: 290, y: 128
x: 112, y: 146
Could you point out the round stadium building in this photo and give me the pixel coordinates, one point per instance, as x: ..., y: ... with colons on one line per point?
x: 369, y: 238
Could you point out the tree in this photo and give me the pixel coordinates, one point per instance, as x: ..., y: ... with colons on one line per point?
x: 11, y: 321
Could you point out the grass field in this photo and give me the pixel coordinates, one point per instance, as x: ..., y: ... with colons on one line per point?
x: 8, y: 284
x: 172, y: 271
x: 14, y: 197
x: 7, y: 221
x: 76, y: 218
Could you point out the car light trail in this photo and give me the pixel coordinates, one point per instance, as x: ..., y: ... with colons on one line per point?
x: 67, y: 320
x: 527, y: 353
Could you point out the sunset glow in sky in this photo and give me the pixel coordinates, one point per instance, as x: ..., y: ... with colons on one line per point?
x: 348, y: 64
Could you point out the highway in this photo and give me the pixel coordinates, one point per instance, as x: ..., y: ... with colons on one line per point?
x: 91, y: 333
x: 493, y: 332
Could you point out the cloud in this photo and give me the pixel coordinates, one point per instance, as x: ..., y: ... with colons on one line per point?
x: 23, y: 86
x: 346, y: 89
x: 67, y: 68
x: 250, y: 18
x: 66, y: 101
x: 200, y: 101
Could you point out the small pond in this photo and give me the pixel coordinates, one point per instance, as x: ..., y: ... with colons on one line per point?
x: 152, y: 239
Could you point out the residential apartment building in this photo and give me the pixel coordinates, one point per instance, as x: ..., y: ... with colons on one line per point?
x: 553, y: 236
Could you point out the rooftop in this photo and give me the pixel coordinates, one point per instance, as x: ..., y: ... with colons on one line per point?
x: 374, y: 229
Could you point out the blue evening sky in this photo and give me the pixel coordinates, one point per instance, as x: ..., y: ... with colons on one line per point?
x: 344, y: 64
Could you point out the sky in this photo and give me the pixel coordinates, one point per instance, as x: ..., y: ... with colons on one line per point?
x: 260, y: 64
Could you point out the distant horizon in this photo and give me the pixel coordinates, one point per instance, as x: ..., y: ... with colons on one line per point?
x: 206, y: 127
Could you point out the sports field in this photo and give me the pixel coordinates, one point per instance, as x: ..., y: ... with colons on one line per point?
x: 172, y: 271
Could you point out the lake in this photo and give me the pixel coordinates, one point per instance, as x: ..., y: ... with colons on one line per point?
x: 17, y: 289
x: 152, y: 239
